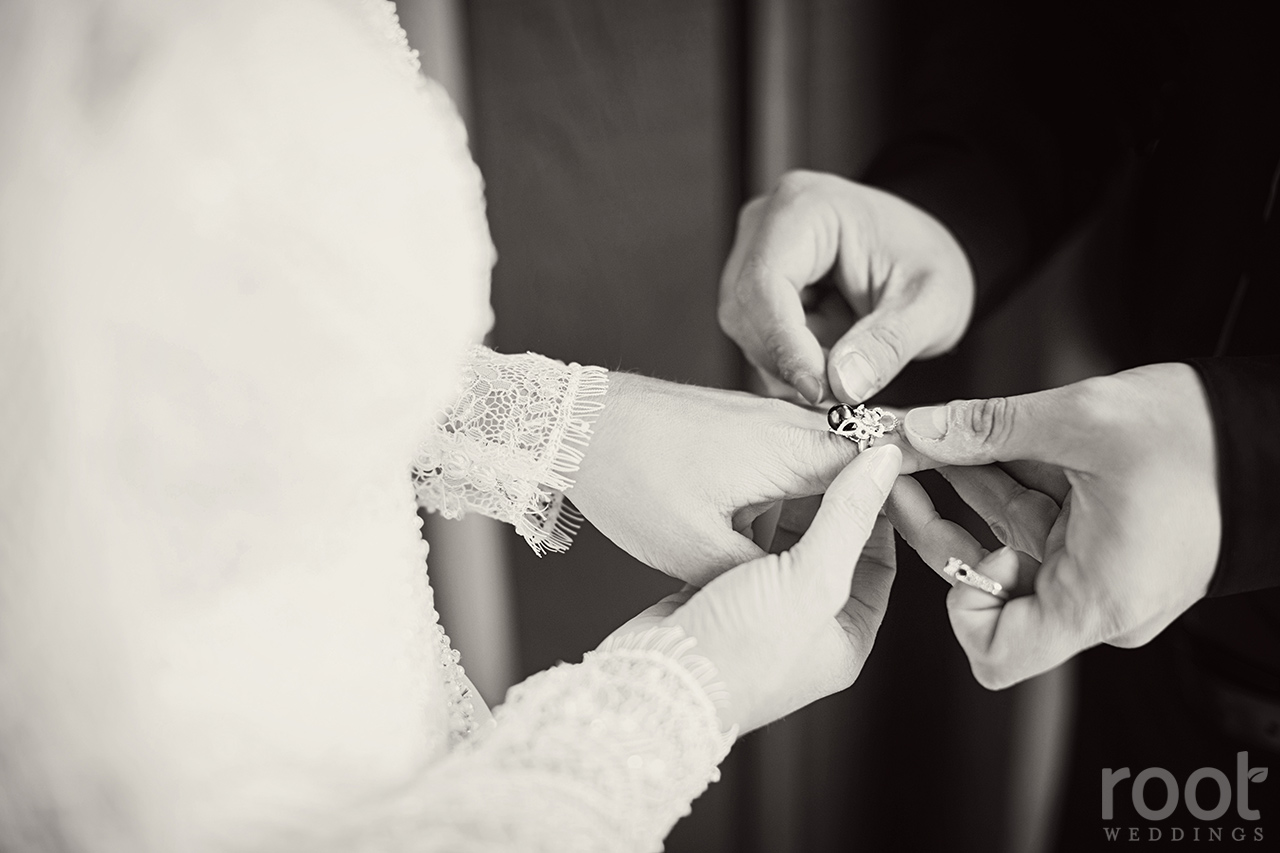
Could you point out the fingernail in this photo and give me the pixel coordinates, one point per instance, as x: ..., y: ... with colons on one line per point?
x: 809, y: 387
x: 929, y: 422
x: 857, y: 377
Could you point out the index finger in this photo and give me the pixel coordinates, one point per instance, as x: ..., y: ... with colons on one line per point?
x: 829, y: 550
x: 793, y: 244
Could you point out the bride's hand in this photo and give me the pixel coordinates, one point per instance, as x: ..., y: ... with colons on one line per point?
x: 787, y: 629
x: 676, y: 474
x: 1106, y: 498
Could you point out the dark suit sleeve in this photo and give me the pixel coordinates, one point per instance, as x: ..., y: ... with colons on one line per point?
x: 1244, y: 397
x: 1008, y: 130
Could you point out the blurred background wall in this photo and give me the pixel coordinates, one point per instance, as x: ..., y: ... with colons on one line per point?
x: 618, y: 140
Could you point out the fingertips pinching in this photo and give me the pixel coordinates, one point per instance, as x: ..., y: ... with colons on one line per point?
x: 881, y: 464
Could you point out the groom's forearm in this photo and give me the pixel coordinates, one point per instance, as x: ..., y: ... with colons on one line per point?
x: 1244, y: 396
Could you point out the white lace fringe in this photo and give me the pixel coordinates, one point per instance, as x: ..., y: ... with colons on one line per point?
x: 556, y: 528
x: 513, y: 445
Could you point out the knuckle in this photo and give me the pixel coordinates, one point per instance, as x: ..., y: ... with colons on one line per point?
x: 1129, y: 641
x: 989, y: 675
x: 742, y: 297
x: 990, y: 421
x: 1033, y: 505
x: 991, y: 663
x: 729, y: 316
x: 847, y: 675
x: 750, y: 212
x: 779, y: 350
x: 1116, y: 616
x: 796, y: 182
x: 1138, y: 636
x: 1026, y: 509
x: 890, y: 344
x: 815, y: 460
x: 1088, y: 393
x: 1000, y: 530
x: 755, y: 279
x: 1100, y: 402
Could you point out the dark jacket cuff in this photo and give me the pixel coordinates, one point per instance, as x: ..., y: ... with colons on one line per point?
x: 1244, y: 400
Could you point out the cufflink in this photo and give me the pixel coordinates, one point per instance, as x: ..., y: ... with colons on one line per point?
x: 957, y: 569
x: 861, y: 425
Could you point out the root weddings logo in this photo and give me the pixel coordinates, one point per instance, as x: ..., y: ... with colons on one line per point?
x: 1207, y: 793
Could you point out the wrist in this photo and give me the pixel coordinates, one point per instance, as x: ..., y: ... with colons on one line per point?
x: 1174, y: 441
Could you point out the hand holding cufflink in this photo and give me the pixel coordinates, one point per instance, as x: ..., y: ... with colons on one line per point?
x: 963, y: 573
x: 1104, y: 494
x: 899, y: 270
x: 862, y: 425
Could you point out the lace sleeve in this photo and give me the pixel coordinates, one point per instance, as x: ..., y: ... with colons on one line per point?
x: 605, y: 755
x: 508, y: 444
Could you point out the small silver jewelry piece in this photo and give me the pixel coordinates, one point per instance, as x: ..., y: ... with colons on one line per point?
x: 861, y: 425
x: 961, y: 572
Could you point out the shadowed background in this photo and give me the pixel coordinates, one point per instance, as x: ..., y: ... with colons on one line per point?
x: 618, y: 141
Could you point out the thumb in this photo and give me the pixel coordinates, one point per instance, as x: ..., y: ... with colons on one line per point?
x: 876, y: 349
x: 1054, y: 426
x: 824, y: 558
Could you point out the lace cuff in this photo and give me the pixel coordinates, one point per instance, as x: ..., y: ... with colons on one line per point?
x: 605, y: 755
x: 507, y: 446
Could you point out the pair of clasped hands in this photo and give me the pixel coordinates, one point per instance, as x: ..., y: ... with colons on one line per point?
x: 1103, y: 493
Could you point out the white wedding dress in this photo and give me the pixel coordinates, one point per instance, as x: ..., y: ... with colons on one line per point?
x: 243, y: 264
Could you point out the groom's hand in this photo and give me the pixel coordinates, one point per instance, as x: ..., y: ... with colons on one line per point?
x: 1105, y: 492
x: 898, y: 268
x: 676, y: 474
